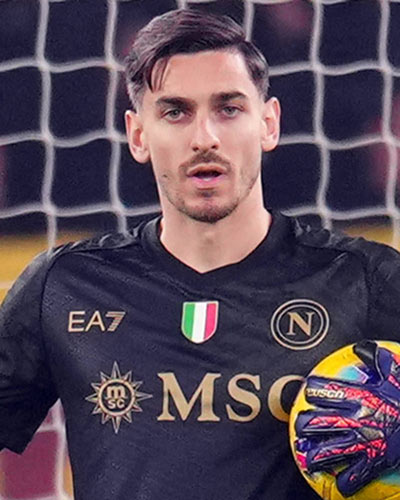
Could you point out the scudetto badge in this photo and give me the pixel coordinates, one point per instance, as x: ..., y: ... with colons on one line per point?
x: 199, y: 320
x: 300, y: 324
x: 116, y: 397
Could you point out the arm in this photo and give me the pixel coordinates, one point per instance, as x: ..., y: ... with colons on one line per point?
x: 384, y: 298
x: 26, y: 388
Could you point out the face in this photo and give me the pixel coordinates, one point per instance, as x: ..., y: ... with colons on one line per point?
x: 204, y: 128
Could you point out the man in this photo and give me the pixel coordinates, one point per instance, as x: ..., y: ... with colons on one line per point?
x: 176, y: 348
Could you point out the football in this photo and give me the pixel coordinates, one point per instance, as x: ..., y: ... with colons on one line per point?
x: 344, y: 426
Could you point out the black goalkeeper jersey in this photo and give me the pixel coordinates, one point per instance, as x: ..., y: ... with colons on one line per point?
x: 177, y: 385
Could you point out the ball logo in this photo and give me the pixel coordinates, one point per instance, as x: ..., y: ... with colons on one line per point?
x: 300, y: 324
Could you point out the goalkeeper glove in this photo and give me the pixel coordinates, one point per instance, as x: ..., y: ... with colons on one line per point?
x: 355, y: 425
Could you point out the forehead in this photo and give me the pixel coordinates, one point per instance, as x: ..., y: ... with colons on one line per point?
x: 200, y: 75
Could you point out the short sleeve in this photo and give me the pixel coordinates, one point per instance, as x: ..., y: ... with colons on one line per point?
x: 384, y: 301
x: 26, y: 388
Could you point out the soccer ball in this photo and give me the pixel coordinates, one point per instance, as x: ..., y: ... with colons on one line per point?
x: 343, y: 364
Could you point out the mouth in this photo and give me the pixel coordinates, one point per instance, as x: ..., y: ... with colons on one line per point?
x: 207, y: 173
x: 207, y: 176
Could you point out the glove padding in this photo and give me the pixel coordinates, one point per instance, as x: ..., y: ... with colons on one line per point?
x: 355, y: 425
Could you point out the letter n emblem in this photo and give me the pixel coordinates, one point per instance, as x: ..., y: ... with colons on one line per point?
x: 199, y: 320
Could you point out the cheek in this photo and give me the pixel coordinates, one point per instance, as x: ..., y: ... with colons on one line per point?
x: 167, y: 139
x: 245, y: 147
x: 160, y: 147
x: 166, y: 154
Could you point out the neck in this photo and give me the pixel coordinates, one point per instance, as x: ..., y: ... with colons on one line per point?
x: 204, y: 247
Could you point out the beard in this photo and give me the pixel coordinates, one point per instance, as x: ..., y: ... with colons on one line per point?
x: 208, y: 214
x: 208, y: 210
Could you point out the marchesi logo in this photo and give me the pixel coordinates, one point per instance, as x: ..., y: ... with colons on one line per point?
x: 300, y: 324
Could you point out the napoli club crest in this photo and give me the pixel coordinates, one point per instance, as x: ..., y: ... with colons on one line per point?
x: 300, y: 324
x: 199, y: 320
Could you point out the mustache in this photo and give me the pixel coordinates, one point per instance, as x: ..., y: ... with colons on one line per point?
x: 205, y: 157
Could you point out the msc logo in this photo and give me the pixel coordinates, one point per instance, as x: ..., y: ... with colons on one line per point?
x: 116, y: 397
x: 205, y: 395
x: 300, y: 324
x: 81, y: 321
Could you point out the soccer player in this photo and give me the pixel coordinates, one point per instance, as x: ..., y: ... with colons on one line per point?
x: 176, y: 348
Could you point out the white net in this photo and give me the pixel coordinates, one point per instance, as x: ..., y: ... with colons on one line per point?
x: 64, y: 164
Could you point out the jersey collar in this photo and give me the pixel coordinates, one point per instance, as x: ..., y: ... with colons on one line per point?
x: 271, y: 249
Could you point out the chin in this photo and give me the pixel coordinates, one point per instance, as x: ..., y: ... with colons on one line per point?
x: 209, y: 215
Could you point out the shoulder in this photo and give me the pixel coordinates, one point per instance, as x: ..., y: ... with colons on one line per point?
x: 104, y: 242
x: 98, y: 245
x: 35, y: 275
x: 371, y: 255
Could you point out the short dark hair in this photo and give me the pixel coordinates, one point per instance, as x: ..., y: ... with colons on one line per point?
x: 186, y: 31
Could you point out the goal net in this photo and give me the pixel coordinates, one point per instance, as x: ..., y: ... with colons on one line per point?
x: 65, y: 168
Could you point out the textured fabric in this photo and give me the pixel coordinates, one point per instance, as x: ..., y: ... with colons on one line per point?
x: 152, y: 415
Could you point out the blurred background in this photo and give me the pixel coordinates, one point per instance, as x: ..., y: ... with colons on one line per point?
x: 66, y: 172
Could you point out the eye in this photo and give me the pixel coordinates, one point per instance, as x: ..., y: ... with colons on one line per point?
x: 230, y: 111
x: 173, y: 115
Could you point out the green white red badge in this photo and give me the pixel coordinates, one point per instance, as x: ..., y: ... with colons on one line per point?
x: 199, y: 320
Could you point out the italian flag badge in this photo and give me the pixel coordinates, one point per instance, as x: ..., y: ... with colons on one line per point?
x: 199, y: 320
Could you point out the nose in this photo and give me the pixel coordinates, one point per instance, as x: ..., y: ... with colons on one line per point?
x: 205, y: 136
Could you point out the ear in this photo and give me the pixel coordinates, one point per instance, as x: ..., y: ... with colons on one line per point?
x: 136, y: 137
x: 270, y: 124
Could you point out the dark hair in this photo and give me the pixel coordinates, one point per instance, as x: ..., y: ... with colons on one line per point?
x: 186, y: 31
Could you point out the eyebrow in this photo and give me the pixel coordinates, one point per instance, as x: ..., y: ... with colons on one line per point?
x: 178, y: 102
x: 183, y: 103
x: 223, y: 97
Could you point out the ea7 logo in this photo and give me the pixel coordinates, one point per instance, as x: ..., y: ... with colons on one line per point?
x: 82, y: 321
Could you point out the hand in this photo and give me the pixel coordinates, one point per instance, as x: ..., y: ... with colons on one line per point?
x: 355, y: 425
